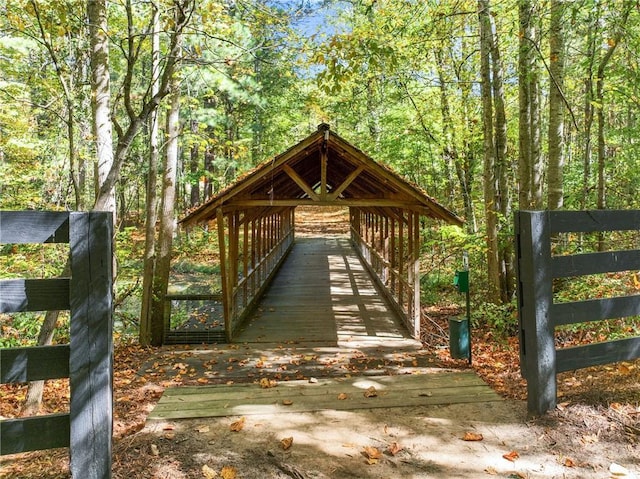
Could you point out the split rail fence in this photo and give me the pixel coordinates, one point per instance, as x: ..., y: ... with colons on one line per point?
x: 88, y: 358
x: 539, y: 315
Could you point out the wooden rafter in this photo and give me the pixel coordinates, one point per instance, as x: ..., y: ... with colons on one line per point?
x: 301, y: 183
x: 345, y: 184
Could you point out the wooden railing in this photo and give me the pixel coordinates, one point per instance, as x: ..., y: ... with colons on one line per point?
x: 87, y: 360
x: 250, y: 287
x: 539, y: 315
x: 389, y: 247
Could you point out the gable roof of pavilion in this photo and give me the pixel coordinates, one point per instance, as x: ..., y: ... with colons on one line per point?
x: 323, y: 169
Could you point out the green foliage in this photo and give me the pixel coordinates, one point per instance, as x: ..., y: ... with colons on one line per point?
x: 502, y: 319
x: 22, y: 329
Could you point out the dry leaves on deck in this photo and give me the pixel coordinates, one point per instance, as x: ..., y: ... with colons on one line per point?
x: 237, y: 426
x: 370, y: 392
x: 266, y: 383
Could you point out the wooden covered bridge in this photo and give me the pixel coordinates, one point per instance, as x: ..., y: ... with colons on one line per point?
x: 256, y: 228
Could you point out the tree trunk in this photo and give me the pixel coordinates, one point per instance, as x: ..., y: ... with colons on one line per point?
x: 194, y: 198
x: 167, y: 217
x: 613, y: 43
x: 152, y: 192
x: 450, y: 145
x: 490, y: 180
x: 101, y: 100
x: 183, y: 10
x: 594, y: 32
x: 502, y: 194
x: 555, y: 190
x: 525, y: 121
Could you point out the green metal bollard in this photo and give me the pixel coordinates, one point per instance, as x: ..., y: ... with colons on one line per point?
x: 459, y: 337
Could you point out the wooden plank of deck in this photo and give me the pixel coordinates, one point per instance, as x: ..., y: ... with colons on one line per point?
x: 322, y: 293
x: 392, y: 391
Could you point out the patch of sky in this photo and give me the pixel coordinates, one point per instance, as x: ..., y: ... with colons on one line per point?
x: 314, y: 21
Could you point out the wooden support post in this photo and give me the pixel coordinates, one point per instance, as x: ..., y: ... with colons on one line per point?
x: 534, y: 307
x: 91, y: 345
x: 226, y: 299
x: 253, y: 257
x: 401, y: 260
x: 385, y: 253
x: 416, y: 276
x: 232, y: 272
x: 245, y: 262
x: 410, y: 268
x: 323, y: 174
x: 393, y: 260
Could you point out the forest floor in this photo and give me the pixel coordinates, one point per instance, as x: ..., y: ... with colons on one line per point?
x: 593, y: 433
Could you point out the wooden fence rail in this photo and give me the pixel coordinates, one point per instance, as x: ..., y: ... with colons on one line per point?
x: 538, y: 314
x: 87, y: 360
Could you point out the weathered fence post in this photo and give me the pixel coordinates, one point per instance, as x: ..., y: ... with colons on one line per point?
x: 535, y: 299
x: 91, y: 345
x: 87, y: 360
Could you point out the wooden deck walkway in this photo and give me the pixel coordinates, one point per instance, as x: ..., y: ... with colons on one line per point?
x: 323, y: 294
x: 452, y: 387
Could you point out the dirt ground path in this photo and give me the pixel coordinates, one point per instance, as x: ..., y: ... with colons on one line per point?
x: 399, y: 442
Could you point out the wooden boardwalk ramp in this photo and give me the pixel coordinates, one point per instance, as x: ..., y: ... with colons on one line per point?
x: 321, y: 316
x: 323, y: 294
x: 335, y: 394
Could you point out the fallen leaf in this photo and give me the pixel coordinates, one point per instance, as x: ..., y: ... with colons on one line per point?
x: 589, y: 439
x: 202, y: 429
x: 266, y: 383
x: 370, y: 392
x: 472, y: 436
x: 287, y: 402
x: 511, y: 456
x: 237, y: 425
x: 203, y: 380
x: 228, y: 472
x: 154, y: 450
x: 372, y: 452
x: 286, y: 443
x: 568, y: 462
x: 342, y: 396
x: 170, y: 435
x: 617, y: 470
x: 208, y: 473
x: 394, y: 448
x: 624, y: 369
x: 492, y: 471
